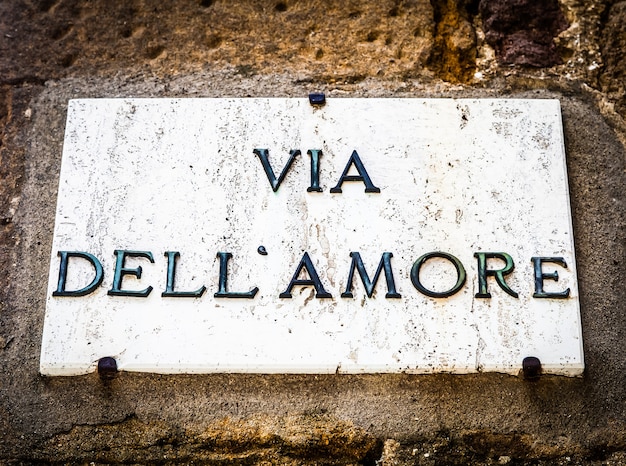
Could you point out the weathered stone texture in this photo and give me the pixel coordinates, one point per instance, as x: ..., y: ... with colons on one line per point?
x: 453, y: 55
x: 54, y: 50
x: 316, y: 438
x: 613, y: 46
x: 523, y: 31
x: 332, y: 41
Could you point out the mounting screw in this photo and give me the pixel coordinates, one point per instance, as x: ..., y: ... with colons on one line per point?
x: 531, y: 368
x: 317, y: 98
x: 107, y: 368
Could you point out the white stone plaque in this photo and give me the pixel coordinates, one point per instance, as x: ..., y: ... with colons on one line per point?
x: 172, y: 252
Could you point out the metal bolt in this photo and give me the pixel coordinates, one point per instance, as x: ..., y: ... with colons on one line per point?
x: 317, y: 98
x: 107, y: 368
x: 531, y: 368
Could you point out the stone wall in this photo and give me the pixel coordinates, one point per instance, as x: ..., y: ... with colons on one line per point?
x: 54, y: 50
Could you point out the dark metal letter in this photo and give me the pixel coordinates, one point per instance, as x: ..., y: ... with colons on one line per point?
x: 223, y: 283
x: 306, y: 263
x: 172, y: 257
x: 483, y: 273
x: 264, y: 155
x: 540, y: 277
x: 120, y: 271
x: 315, y: 155
x: 384, y: 263
x: 460, y: 274
x: 95, y: 283
x: 363, y: 176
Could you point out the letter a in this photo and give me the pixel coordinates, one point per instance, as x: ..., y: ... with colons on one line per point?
x: 363, y: 176
x: 306, y: 263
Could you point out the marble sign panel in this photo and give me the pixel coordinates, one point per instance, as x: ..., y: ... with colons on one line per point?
x: 274, y: 236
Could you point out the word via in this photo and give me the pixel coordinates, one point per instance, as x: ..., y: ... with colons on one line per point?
x: 316, y: 154
x: 306, y: 266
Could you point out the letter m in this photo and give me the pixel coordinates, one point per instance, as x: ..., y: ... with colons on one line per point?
x: 385, y: 263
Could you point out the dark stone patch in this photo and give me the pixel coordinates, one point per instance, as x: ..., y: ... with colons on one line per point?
x: 246, y: 70
x: 126, y: 31
x: 46, y: 5
x: 372, y: 36
x: 522, y: 31
x: 213, y: 41
x: 67, y: 60
x: 61, y: 31
x: 154, y: 51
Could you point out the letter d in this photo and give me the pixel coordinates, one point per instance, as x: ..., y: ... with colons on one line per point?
x: 95, y: 283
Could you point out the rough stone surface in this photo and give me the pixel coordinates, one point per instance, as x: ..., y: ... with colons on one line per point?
x: 453, y: 55
x: 523, y: 31
x: 333, y: 41
x: 612, y: 45
x: 51, y: 51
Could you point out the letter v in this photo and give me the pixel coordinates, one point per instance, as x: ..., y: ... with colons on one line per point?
x: 264, y: 155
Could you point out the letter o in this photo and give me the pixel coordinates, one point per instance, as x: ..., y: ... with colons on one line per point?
x: 460, y: 272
